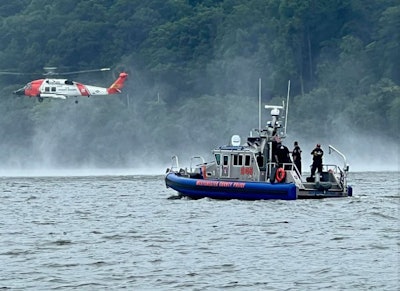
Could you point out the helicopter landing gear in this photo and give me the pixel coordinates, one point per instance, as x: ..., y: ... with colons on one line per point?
x: 40, y: 99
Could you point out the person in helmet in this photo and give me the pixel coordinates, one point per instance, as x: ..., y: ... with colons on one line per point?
x: 317, y: 154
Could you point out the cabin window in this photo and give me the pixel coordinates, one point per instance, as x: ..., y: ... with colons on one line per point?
x: 226, y: 159
x: 218, y: 159
x: 235, y: 160
x: 46, y: 89
x: 247, y: 160
x: 53, y: 89
x: 240, y: 162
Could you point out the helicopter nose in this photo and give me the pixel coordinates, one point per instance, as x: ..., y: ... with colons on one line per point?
x: 19, y: 91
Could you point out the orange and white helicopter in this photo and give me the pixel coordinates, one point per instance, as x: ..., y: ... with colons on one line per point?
x: 65, y: 88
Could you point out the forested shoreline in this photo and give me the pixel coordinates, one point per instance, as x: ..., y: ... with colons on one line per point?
x: 193, y: 72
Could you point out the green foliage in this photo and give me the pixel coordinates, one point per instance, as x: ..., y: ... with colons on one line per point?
x: 193, y: 73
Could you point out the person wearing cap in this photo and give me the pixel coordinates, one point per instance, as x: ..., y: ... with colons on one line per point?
x: 317, y: 154
x: 296, y: 155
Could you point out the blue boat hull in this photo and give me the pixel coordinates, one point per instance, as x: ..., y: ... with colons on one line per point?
x: 223, y: 189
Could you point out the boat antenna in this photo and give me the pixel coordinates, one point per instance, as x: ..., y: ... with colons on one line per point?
x: 287, y: 105
x: 259, y: 105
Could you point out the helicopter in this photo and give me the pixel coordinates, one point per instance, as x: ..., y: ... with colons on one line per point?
x: 49, y: 87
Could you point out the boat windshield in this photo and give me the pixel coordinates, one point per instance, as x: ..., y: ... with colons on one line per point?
x: 218, y: 158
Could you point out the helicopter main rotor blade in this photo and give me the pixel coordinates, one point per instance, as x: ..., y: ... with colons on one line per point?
x: 11, y: 73
x: 50, y: 71
x: 82, y: 71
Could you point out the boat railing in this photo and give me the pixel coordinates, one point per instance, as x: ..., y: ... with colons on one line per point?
x: 174, y: 163
x: 343, y: 174
x: 291, y: 167
x: 330, y: 168
x: 333, y: 173
x: 327, y: 168
x: 346, y: 165
x: 286, y: 167
x: 193, y: 160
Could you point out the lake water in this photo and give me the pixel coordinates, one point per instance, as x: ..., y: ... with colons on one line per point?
x: 121, y: 232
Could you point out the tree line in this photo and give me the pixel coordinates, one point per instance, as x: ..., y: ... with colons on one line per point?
x: 193, y: 73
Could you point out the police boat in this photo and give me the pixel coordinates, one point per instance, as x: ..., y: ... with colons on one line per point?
x: 247, y: 171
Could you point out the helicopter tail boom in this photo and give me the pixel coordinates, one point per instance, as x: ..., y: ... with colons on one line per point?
x: 118, y: 84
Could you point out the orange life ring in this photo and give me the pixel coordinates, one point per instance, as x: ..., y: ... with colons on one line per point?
x: 280, y: 175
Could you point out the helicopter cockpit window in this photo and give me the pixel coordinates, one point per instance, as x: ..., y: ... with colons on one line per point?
x: 68, y: 82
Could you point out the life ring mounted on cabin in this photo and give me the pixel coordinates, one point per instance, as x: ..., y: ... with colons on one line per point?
x: 280, y: 175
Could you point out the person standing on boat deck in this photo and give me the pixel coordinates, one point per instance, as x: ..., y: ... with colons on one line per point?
x: 275, y: 142
x: 296, y: 155
x: 282, y: 155
x: 317, y: 154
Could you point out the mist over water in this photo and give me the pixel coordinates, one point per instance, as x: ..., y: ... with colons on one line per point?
x: 365, y: 159
x: 362, y: 153
x: 86, y: 139
x: 80, y: 172
x: 67, y: 146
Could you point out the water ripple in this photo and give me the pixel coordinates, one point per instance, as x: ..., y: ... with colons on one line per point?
x: 122, y: 232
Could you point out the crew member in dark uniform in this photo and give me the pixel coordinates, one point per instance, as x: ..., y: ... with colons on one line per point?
x: 276, y: 140
x: 282, y: 154
x: 317, y: 154
x: 296, y: 155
